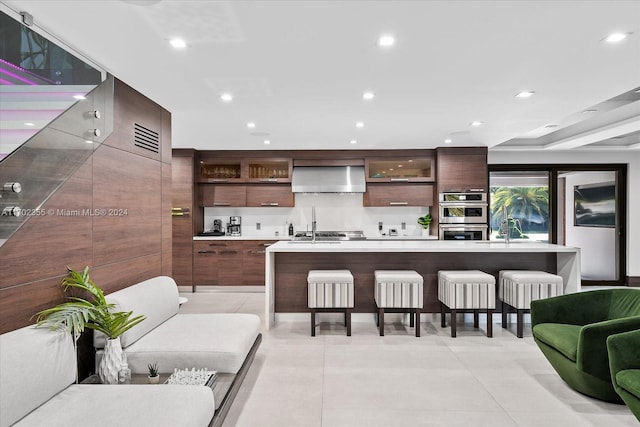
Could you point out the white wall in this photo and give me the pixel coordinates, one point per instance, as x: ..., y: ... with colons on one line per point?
x: 597, y: 244
x: 333, y: 212
x: 630, y: 157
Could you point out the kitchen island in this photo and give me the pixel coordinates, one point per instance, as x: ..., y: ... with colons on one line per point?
x: 288, y: 262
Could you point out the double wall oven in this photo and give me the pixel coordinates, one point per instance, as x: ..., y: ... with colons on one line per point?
x: 463, y: 216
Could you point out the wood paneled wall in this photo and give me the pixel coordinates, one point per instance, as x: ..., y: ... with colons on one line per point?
x: 130, y: 243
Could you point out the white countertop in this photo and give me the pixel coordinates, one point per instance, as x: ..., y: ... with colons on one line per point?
x: 417, y: 246
x: 271, y: 237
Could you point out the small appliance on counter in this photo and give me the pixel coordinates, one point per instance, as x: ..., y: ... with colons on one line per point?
x: 234, y: 228
x: 216, y: 230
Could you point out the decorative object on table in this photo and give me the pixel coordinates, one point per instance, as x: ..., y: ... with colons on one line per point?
x: 154, y: 377
x: 192, y: 376
x: 425, y: 222
x: 78, y: 313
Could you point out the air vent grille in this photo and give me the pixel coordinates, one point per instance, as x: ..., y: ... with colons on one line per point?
x: 146, y: 138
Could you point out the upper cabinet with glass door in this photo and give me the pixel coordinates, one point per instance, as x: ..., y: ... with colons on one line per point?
x: 269, y: 170
x: 384, y: 169
x: 221, y: 170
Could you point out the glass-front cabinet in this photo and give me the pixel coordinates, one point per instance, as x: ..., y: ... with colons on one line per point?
x: 400, y: 169
x: 234, y: 170
x: 268, y: 170
x: 221, y: 170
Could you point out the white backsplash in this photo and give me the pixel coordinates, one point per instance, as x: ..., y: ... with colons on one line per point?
x: 333, y: 212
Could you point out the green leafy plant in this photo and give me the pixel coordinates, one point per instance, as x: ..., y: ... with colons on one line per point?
x: 78, y: 313
x: 153, y: 369
x: 425, y: 221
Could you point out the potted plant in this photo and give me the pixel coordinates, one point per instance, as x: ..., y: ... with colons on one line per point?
x: 95, y: 313
x: 425, y: 222
x: 154, y: 377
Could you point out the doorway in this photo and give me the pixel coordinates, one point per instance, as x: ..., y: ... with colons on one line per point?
x: 575, y: 205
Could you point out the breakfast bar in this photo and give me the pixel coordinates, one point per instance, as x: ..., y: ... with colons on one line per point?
x: 288, y: 262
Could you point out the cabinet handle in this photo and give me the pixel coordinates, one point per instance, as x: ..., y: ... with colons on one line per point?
x: 217, y: 244
x: 269, y: 180
x: 398, y: 203
x: 400, y: 179
x: 221, y: 204
x: 266, y: 244
x: 202, y: 251
x: 217, y: 180
x: 477, y: 189
x: 269, y: 204
x: 257, y: 252
x: 228, y: 252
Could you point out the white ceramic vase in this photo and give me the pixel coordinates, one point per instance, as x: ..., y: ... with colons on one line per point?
x: 425, y: 232
x: 112, y: 362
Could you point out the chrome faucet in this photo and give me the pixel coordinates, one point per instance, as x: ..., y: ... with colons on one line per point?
x: 313, y: 224
x: 505, y: 225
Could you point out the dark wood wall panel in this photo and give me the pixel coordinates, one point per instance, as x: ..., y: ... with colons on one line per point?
x: 167, y: 263
x: 126, y: 182
x: 44, y: 245
x: 119, y: 275
x: 19, y: 304
x: 120, y: 249
x: 131, y: 107
x: 292, y: 269
x: 182, y: 226
x: 166, y: 153
x: 166, y: 207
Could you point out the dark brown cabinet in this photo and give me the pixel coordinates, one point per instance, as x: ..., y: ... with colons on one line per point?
x: 211, y: 195
x: 182, y: 226
x: 462, y: 170
x: 217, y: 262
x: 268, y: 170
x: 398, y: 195
x: 261, y: 195
x: 253, y: 261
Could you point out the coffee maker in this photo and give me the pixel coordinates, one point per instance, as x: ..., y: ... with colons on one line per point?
x: 234, y: 226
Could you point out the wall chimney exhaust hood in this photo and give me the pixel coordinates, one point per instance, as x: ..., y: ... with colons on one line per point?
x: 328, y: 179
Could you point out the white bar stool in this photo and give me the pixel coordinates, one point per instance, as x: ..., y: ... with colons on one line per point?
x: 466, y: 290
x: 517, y: 288
x: 399, y: 290
x: 330, y: 290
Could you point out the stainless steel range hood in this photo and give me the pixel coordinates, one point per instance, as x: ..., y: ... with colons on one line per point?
x: 328, y: 179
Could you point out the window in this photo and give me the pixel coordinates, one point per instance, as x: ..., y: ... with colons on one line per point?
x: 525, y: 197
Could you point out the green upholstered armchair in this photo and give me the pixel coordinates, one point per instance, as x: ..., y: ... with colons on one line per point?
x: 624, y: 360
x: 572, y: 330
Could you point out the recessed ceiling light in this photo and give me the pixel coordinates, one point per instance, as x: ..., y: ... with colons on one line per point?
x: 525, y: 94
x: 359, y: 124
x: 386, y: 40
x: 178, y: 43
x: 616, y: 37
x: 410, y: 160
x: 251, y: 125
x: 390, y: 169
x: 447, y: 141
x: 550, y: 126
x: 400, y: 166
x: 353, y: 141
x: 29, y: 124
x: 226, y: 97
x: 368, y: 96
x: 89, y: 142
x: 267, y: 142
x: 79, y: 97
x: 476, y: 123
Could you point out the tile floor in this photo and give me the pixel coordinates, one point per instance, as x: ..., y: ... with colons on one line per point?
x: 333, y: 380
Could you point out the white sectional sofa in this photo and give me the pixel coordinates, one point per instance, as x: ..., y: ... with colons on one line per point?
x: 219, y: 342
x: 38, y: 367
x: 37, y: 375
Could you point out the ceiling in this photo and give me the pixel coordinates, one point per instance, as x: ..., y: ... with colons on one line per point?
x: 298, y: 69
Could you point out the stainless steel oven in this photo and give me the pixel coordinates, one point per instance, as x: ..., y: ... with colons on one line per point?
x: 463, y: 231
x: 463, y: 208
